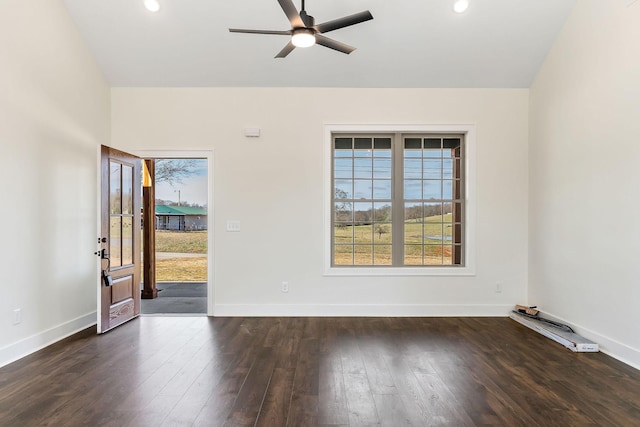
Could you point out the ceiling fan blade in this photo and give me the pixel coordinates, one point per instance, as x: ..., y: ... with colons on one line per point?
x: 240, y: 30
x: 292, y: 13
x: 333, y: 44
x: 286, y: 50
x: 346, y: 21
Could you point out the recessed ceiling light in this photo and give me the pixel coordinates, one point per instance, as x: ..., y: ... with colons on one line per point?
x: 460, y: 6
x: 152, y: 5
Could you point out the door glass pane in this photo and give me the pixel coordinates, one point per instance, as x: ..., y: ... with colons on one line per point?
x: 127, y: 190
x: 127, y: 240
x: 115, y: 188
x: 115, y: 237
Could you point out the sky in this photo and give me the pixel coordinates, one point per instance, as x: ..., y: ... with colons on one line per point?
x: 192, y: 189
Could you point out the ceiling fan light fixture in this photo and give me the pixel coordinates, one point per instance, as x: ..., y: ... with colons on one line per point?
x: 152, y: 5
x: 303, y: 37
x: 460, y: 6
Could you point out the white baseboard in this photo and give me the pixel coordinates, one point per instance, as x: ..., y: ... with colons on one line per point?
x: 609, y: 346
x: 367, y: 310
x: 36, y: 342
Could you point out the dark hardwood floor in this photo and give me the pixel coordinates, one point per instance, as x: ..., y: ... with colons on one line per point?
x: 177, y: 371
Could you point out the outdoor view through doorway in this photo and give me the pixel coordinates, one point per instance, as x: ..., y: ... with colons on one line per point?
x: 180, y: 225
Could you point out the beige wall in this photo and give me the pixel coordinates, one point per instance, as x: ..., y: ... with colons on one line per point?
x: 54, y: 112
x: 584, y: 231
x: 274, y: 186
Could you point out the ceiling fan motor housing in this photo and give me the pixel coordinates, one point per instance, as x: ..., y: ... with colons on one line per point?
x: 309, y: 21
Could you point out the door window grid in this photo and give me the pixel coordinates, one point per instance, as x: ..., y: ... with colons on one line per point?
x: 121, y: 214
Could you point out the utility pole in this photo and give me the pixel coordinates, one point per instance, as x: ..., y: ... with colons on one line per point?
x: 178, y: 191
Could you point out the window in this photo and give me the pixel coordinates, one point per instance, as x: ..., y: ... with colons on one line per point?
x: 398, y: 200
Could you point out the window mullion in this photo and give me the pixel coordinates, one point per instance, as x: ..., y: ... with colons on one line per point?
x: 397, y: 215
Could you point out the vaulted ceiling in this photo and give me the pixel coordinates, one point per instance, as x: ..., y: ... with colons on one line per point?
x: 409, y: 43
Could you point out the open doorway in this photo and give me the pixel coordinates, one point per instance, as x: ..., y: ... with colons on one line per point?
x: 180, y: 200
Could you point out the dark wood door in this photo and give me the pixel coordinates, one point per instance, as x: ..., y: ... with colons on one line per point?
x: 120, y: 228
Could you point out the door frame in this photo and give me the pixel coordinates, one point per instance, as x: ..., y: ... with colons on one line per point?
x: 208, y: 156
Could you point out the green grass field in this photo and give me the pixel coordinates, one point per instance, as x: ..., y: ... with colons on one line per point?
x: 362, y: 244
x: 191, y: 242
x: 181, y: 269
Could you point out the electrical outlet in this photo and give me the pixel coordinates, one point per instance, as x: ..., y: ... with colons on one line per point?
x: 17, y: 316
x: 498, y: 287
x: 285, y: 287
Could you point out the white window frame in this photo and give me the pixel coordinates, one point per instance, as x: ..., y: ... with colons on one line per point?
x: 469, y: 131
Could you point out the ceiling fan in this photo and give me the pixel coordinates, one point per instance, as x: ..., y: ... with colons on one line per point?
x: 304, y: 32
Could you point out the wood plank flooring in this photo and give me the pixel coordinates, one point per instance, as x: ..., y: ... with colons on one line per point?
x: 179, y: 371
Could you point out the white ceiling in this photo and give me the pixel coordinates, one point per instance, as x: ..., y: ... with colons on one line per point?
x: 409, y: 43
